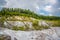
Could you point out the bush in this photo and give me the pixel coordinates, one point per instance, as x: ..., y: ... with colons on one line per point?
x: 20, y: 28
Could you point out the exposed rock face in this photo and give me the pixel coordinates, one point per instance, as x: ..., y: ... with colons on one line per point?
x: 22, y: 24
x: 42, y: 23
x: 1, y: 24
x: 17, y: 23
x: 5, y: 37
x: 48, y: 34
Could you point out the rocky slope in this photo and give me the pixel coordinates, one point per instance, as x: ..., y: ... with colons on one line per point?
x: 47, y: 34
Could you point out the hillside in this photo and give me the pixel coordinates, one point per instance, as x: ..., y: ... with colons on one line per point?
x: 22, y: 19
x: 25, y: 12
x: 22, y: 24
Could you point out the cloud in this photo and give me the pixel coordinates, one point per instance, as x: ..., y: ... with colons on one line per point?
x: 2, y: 2
x: 59, y: 8
x: 28, y: 4
x: 42, y: 13
x: 50, y: 6
x: 52, y: 1
x: 50, y: 14
x: 37, y: 7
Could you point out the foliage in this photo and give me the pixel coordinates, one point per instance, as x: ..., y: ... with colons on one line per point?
x: 40, y: 27
x: 12, y: 12
x: 25, y: 12
x: 2, y: 19
x: 20, y: 28
x: 54, y: 23
x: 37, y: 27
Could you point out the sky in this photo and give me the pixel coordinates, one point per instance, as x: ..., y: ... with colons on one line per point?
x: 42, y: 7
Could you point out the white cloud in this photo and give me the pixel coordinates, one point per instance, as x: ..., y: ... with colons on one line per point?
x: 28, y: 4
x: 31, y: 4
x: 50, y: 15
x: 59, y: 8
x: 2, y: 3
x: 13, y: 4
x: 48, y: 8
x: 52, y: 1
x: 37, y: 7
x: 42, y: 13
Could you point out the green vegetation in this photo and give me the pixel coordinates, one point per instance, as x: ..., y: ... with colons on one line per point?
x: 27, y: 28
x: 23, y: 12
x: 37, y: 27
x: 40, y: 27
x: 9, y: 14
x: 2, y: 21
x: 20, y: 28
x: 54, y: 23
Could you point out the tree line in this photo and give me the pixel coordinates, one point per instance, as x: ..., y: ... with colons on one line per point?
x: 25, y: 12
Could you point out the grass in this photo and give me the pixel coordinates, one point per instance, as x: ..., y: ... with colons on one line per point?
x: 20, y: 28
x: 54, y: 23
x: 35, y: 26
x: 27, y: 28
